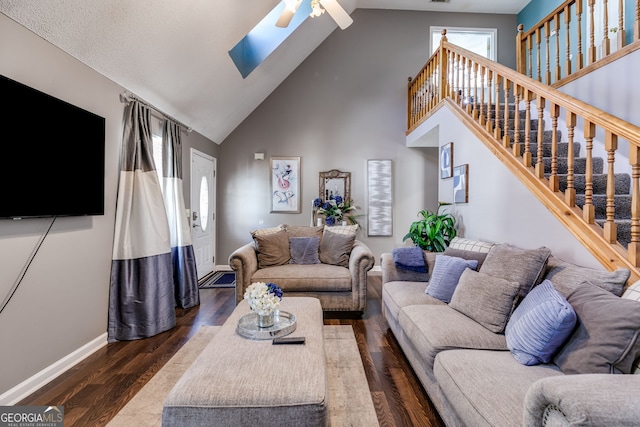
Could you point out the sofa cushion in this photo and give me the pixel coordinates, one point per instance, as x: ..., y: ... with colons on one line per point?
x: 468, y: 255
x: 566, y: 277
x: 487, y: 388
x: 272, y: 248
x: 540, y: 325
x: 445, y: 275
x: 486, y: 299
x: 335, y: 248
x: 306, y: 278
x: 397, y: 295
x: 304, y: 250
x: 525, y: 266
x: 441, y: 328
x: 606, y: 336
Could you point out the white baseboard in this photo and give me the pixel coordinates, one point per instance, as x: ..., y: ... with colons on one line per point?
x: 224, y: 267
x: 37, y: 381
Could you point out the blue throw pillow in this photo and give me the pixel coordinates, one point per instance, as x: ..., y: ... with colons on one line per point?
x: 304, y: 250
x: 540, y: 325
x: 445, y: 276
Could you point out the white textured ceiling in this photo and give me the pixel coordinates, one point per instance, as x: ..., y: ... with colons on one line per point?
x: 173, y: 53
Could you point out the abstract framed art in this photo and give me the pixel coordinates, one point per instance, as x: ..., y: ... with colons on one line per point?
x: 446, y: 160
x: 285, y: 184
x: 379, y: 198
x: 461, y: 184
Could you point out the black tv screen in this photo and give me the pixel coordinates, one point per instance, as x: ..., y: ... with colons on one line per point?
x: 52, y: 156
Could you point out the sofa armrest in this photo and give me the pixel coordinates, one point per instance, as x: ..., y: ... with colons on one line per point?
x: 586, y: 400
x: 244, y: 261
x: 391, y: 273
x: 361, y: 261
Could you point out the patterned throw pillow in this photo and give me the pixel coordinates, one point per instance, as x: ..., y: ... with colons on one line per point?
x: 304, y: 250
x: 445, y: 276
x: 342, y: 229
x: 540, y: 325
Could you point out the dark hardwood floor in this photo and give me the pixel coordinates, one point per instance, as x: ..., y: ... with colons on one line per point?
x: 95, y: 390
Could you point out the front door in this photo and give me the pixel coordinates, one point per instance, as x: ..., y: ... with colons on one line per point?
x: 203, y: 211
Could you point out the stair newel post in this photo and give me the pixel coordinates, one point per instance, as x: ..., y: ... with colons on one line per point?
x: 557, y: 30
x: 636, y: 23
x: 606, y: 42
x: 588, y: 210
x: 526, y: 156
x: 547, y: 38
x: 554, y: 184
x: 539, y: 164
x: 476, y: 113
x: 410, y: 105
x: 516, y: 120
x: 621, y: 33
x: 496, y: 109
x: 634, y: 245
x: 567, y: 25
x: 444, y: 65
x: 570, y: 192
x: 489, y: 102
x: 521, y: 51
x: 506, y: 141
x: 580, y: 55
x: 610, y: 227
x: 483, y: 72
x: 591, y: 52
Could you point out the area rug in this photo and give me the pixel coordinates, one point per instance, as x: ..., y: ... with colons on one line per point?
x: 350, y: 402
x: 220, y: 279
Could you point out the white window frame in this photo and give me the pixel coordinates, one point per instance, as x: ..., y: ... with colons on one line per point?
x: 435, y: 34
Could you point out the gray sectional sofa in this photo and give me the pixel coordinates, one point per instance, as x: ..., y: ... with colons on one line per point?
x: 466, y: 352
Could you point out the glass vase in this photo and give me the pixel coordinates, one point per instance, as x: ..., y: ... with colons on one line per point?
x: 266, y: 321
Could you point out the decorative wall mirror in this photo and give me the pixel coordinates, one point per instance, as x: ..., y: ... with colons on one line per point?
x: 335, y: 183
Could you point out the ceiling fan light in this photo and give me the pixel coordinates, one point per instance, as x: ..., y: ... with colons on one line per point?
x: 338, y: 14
x: 290, y: 8
x: 316, y: 9
x: 292, y: 5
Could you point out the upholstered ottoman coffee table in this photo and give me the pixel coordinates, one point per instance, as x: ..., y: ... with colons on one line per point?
x: 241, y: 382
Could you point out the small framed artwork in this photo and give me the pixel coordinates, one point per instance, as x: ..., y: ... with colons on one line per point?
x: 461, y: 184
x: 446, y: 160
x: 285, y: 184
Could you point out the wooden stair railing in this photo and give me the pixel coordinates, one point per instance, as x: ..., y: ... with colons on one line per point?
x: 564, y: 42
x: 475, y: 88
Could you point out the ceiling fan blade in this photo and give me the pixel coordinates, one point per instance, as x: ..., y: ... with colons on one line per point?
x: 291, y: 6
x: 338, y: 14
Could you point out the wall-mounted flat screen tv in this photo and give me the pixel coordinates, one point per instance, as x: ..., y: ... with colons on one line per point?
x: 51, y: 157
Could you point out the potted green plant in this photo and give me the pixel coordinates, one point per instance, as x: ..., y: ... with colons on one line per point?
x: 434, y: 231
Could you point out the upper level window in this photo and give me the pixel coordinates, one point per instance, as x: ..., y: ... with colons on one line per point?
x: 481, y: 41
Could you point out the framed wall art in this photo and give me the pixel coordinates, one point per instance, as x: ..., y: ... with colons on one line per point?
x: 446, y: 160
x: 379, y: 198
x: 461, y: 184
x: 285, y: 184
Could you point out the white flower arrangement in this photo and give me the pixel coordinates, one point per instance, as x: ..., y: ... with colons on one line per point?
x: 263, y: 298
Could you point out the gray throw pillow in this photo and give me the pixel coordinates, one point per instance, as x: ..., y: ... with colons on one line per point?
x: 606, y: 336
x: 525, y: 266
x: 304, y: 250
x: 272, y: 249
x: 566, y: 277
x: 335, y: 249
x: 445, y: 275
x: 485, y: 299
x: 469, y: 255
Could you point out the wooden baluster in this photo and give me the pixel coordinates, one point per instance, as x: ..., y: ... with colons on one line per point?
x: 530, y: 54
x: 592, y: 36
x: 580, y: 55
x: 554, y: 184
x: 411, y: 104
x: 468, y: 68
x: 636, y: 22
x: 476, y: 113
x: 506, y: 141
x: 621, y: 33
x: 526, y: 156
x: 459, y: 70
x: 489, y: 123
x: 634, y: 245
x: 606, y: 42
x: 516, y: 120
x: 567, y: 25
x: 539, y: 165
x: 610, y: 227
x: 538, y: 52
x: 496, y: 108
x: 547, y: 38
x: 483, y: 72
x: 570, y: 192
x: 588, y: 210
x: 557, y: 30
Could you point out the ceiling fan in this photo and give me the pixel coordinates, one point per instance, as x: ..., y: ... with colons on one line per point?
x: 318, y: 7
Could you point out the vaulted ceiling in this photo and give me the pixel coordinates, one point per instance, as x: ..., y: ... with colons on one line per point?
x: 174, y: 53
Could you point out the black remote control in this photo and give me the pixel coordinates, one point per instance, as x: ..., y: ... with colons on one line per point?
x: 288, y: 340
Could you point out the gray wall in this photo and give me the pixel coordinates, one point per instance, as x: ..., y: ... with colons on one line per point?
x: 344, y: 104
x: 62, y: 302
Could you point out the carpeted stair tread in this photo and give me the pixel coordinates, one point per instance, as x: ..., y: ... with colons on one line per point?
x: 623, y: 230
x: 579, y: 165
x: 623, y: 183
x: 563, y: 149
x: 622, y: 204
x: 533, y: 136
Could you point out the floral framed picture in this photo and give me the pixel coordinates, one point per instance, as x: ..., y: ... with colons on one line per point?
x: 285, y: 184
x: 461, y: 184
x: 446, y: 160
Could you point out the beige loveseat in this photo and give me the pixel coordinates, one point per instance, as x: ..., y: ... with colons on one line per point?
x: 327, y: 263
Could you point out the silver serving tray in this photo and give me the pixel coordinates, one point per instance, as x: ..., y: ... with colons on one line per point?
x: 283, y: 324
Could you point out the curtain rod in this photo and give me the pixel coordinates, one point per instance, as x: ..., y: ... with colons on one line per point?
x: 127, y: 97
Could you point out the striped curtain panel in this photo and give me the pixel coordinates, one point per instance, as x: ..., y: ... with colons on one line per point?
x: 185, y: 277
x: 141, y: 297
